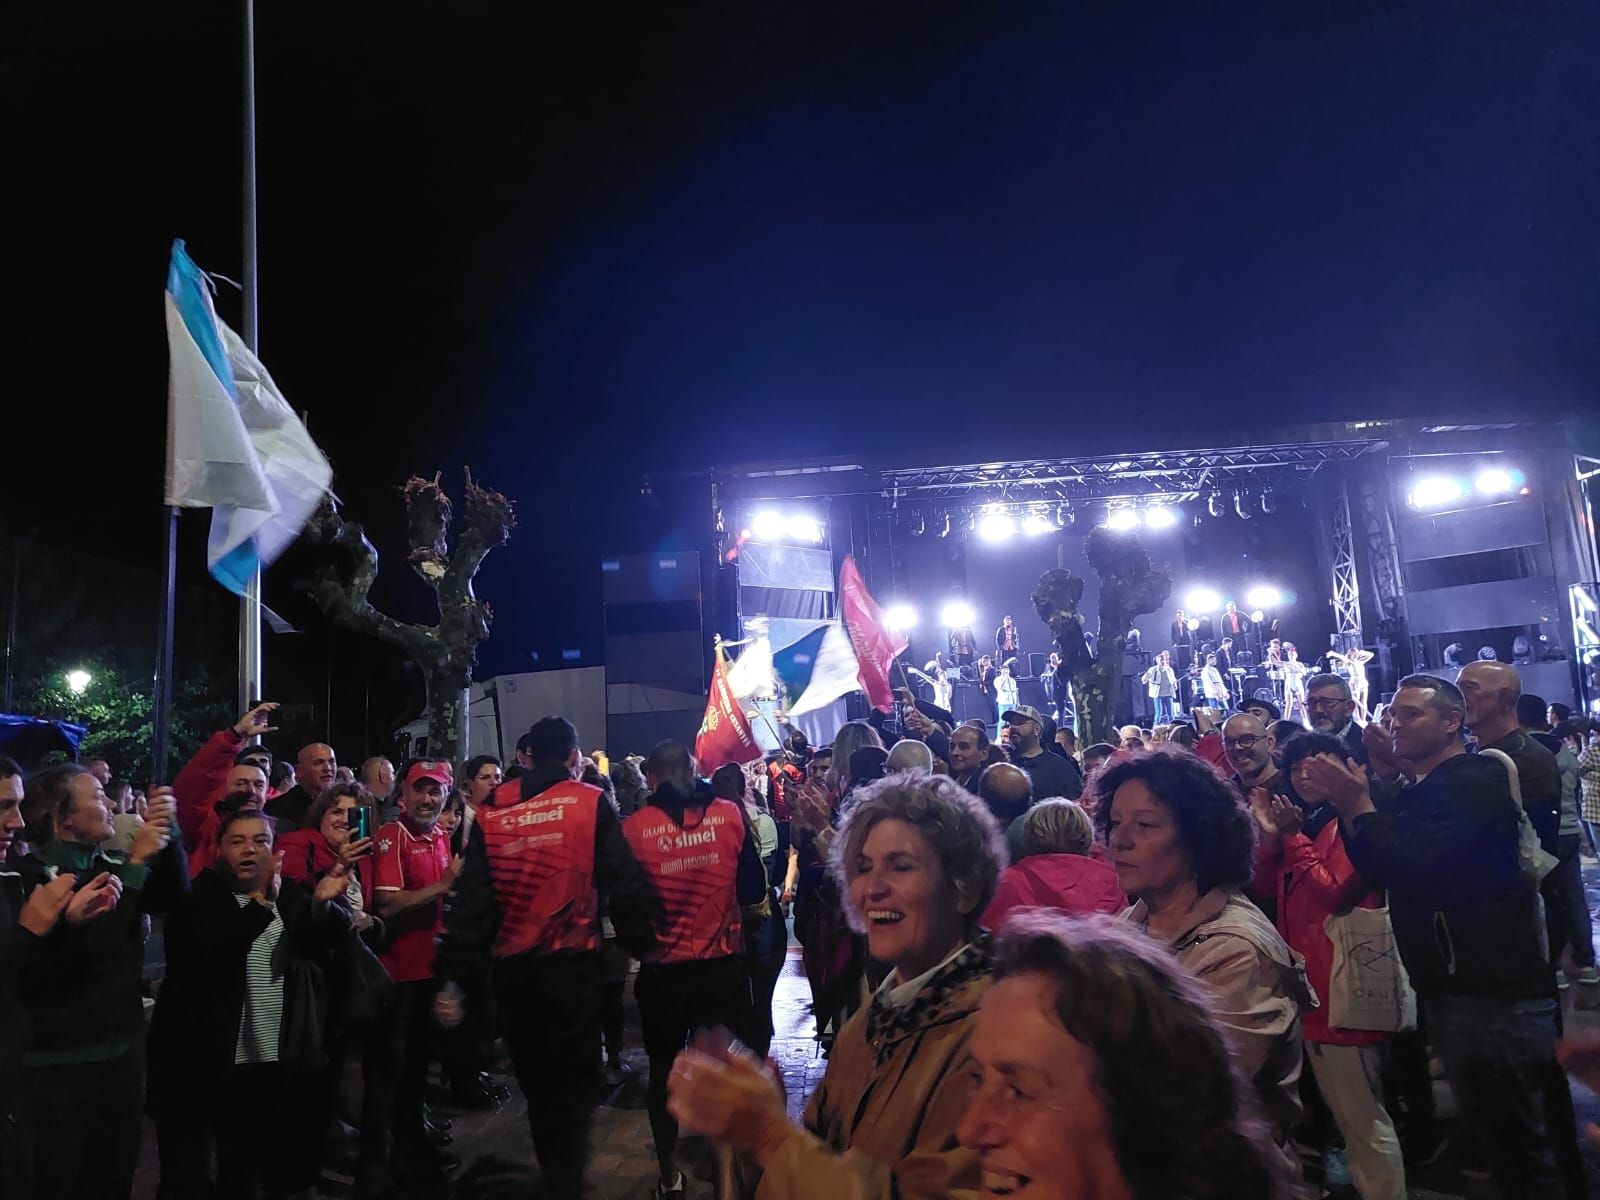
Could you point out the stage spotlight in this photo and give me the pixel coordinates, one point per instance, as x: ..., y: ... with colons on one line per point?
x: 1037, y: 524
x: 1497, y: 481
x: 1202, y: 600
x: 957, y: 614
x: 1063, y: 516
x: 969, y: 522
x: 997, y: 526
x: 1241, y: 506
x: 1123, y: 520
x: 1258, y: 616
x: 1435, y: 491
x: 918, y: 524
x: 942, y: 523
x: 1269, y: 502
x: 767, y: 526
x: 1160, y: 517
x: 803, y: 527
x: 900, y: 617
x: 1215, y: 505
x: 1263, y: 595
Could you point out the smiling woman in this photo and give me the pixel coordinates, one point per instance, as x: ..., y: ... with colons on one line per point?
x: 917, y: 857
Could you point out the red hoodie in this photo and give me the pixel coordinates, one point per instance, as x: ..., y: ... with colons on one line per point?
x: 1074, y: 883
x: 197, y: 789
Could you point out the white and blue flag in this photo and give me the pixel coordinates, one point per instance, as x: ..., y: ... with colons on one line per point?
x: 233, y: 443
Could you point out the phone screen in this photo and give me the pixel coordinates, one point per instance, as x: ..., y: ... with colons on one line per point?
x: 361, y: 827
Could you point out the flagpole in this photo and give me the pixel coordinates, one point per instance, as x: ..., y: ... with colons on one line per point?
x: 250, y: 666
x: 161, y: 708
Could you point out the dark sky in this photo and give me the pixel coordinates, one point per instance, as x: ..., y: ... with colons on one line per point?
x: 567, y: 246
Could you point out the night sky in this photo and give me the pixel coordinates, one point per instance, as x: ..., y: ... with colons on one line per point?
x: 566, y: 247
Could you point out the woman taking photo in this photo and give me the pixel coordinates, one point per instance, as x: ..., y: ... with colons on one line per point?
x: 1182, y: 843
x: 1101, y: 1075
x: 917, y: 857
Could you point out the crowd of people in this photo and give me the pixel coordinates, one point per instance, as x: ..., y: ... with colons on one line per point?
x: 1124, y: 971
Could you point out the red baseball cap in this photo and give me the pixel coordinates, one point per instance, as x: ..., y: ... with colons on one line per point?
x: 425, y: 768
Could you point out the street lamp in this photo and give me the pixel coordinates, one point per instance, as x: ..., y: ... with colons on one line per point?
x: 78, y: 681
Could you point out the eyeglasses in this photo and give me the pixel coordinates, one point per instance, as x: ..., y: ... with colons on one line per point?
x: 1243, y: 742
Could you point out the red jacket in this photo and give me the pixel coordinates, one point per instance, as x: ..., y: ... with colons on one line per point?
x: 1313, y: 879
x: 1074, y: 883
x: 307, y: 857
x: 196, y: 790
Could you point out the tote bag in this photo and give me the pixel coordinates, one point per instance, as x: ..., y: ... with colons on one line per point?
x: 1368, y: 987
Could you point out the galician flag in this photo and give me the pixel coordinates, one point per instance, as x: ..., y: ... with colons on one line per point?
x: 233, y: 443
x: 876, y: 648
x: 725, y: 735
x: 817, y: 669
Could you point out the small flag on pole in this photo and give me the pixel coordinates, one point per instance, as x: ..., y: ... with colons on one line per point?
x: 233, y: 443
x: 876, y: 648
x: 725, y: 735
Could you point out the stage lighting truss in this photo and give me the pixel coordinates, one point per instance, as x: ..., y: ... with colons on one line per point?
x: 1463, y: 487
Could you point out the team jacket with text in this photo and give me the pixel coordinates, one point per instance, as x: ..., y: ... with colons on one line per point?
x: 695, y: 867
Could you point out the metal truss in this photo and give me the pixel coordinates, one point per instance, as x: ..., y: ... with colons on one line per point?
x: 1346, y: 584
x: 1172, y: 476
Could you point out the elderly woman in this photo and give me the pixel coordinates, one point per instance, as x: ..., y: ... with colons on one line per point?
x: 1183, y: 842
x: 1101, y: 1073
x: 917, y: 857
x: 1055, y: 870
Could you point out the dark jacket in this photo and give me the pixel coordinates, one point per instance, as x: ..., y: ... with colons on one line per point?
x: 1357, y: 747
x: 1466, y: 920
x: 472, y: 913
x: 1539, y: 777
x: 1053, y: 777
x: 17, y: 948
x: 195, y: 1028
x: 289, y: 810
x: 81, y: 989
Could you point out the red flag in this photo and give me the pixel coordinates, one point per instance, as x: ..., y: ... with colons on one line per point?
x: 725, y: 735
x: 875, y: 647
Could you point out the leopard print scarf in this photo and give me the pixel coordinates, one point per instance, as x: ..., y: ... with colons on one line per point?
x: 935, y: 1002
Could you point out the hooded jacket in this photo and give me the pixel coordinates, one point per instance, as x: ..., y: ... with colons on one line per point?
x: 1073, y: 883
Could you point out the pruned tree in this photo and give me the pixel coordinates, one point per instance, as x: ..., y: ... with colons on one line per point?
x: 1129, y: 587
x: 446, y: 652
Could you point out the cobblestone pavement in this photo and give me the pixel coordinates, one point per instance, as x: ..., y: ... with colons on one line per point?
x: 498, y: 1154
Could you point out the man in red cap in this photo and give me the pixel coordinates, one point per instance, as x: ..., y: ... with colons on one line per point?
x: 413, y: 872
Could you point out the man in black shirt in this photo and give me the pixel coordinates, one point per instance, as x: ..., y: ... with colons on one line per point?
x: 1053, y: 777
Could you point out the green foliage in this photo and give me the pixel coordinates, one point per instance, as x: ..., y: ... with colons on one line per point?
x: 117, y: 710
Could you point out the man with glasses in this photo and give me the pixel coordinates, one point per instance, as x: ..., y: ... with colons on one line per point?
x: 1332, y: 710
x: 1249, y: 748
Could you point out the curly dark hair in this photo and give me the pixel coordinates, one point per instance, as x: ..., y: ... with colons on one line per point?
x: 1213, y: 823
x: 1183, y: 1120
x: 1304, y: 745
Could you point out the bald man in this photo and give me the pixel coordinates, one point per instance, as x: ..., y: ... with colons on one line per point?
x: 1491, y: 690
x: 1008, y: 791
x: 315, y: 770
x: 1250, y: 748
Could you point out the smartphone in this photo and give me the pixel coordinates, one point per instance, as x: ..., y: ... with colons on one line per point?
x: 361, y: 821
x: 601, y: 761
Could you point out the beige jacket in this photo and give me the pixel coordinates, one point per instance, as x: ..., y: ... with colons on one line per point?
x: 875, y: 1131
x: 1230, y: 946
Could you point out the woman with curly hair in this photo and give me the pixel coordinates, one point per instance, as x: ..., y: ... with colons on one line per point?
x: 1100, y: 1072
x: 1183, y: 844
x: 917, y: 857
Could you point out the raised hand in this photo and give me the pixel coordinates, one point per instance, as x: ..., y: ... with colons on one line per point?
x: 152, y: 837
x: 1261, y: 810
x: 45, y: 905
x: 267, y: 893
x: 332, y: 885
x: 1380, y: 749
x: 254, y: 722
x: 1286, y: 815
x: 95, y: 898
x: 355, y: 850
x: 453, y: 871
x: 1344, y: 783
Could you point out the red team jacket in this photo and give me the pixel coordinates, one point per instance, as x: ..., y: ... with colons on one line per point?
x: 695, y: 868
x: 541, y: 858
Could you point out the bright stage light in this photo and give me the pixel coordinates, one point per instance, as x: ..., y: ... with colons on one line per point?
x: 899, y: 617
x: 996, y: 526
x: 1497, y: 481
x: 1435, y: 491
x: 1160, y: 517
x: 1123, y: 520
x: 1258, y: 616
x: 1216, y: 506
x: 1202, y: 600
x: 957, y: 614
x: 78, y: 681
x: 1263, y: 595
x: 1037, y: 524
x: 803, y: 527
x: 767, y: 525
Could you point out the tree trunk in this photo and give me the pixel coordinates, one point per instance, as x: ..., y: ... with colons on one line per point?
x: 449, y: 694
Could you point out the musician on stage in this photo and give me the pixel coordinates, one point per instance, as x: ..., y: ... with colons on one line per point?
x: 1215, y: 686
x: 1180, y: 629
x: 1294, y: 684
x: 1007, y: 641
x: 937, y: 677
x: 1355, y: 663
x: 1161, y: 685
x: 963, y: 646
x: 1234, y: 623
